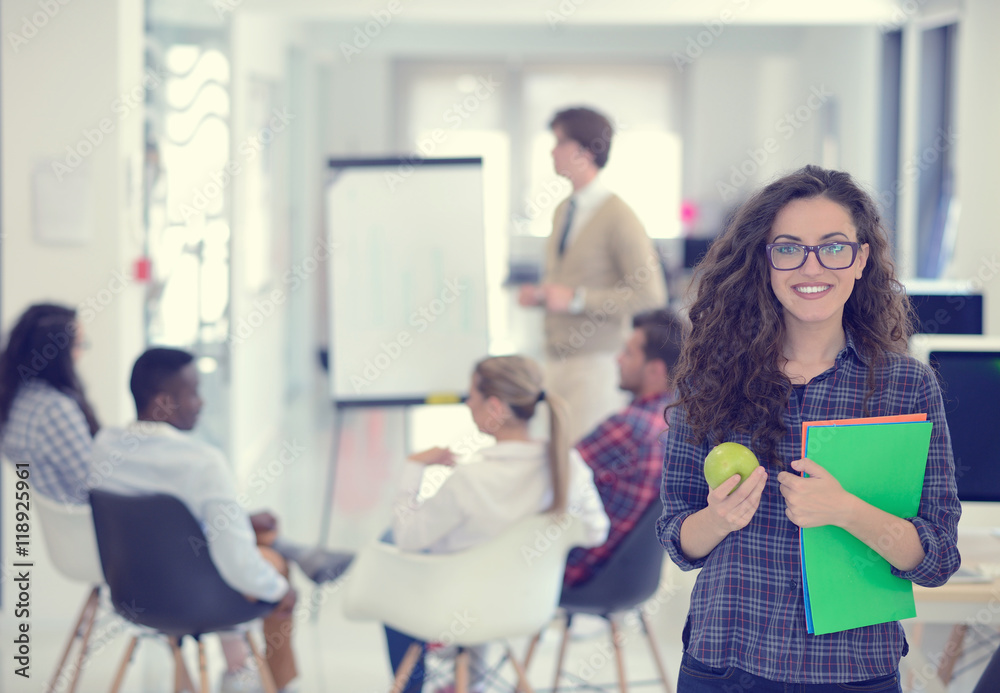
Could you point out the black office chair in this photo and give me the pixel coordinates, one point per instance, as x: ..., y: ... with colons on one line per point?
x: 630, y: 577
x: 156, y: 562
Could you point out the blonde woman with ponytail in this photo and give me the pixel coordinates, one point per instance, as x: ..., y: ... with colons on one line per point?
x: 515, y: 478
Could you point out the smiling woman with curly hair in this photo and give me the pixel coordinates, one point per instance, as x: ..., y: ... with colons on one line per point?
x: 797, y: 316
x: 731, y: 373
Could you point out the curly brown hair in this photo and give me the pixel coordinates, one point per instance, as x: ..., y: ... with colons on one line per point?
x: 729, y: 377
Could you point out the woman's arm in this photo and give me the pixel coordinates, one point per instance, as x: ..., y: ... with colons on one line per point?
x: 418, y: 523
x: 67, y: 443
x: 585, y: 502
x: 695, y: 518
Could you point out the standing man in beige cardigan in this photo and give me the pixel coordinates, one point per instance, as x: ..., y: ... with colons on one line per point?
x: 600, y: 269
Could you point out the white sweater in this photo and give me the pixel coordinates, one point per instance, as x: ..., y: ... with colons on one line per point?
x: 482, y: 497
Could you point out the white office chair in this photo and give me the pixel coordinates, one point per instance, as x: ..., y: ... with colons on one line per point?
x: 504, y: 588
x: 72, y: 547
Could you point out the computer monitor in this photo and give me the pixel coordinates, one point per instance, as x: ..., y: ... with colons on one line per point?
x: 969, y: 371
x: 694, y: 250
x: 945, y: 307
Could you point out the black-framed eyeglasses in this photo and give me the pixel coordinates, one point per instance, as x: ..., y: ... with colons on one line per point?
x: 790, y: 256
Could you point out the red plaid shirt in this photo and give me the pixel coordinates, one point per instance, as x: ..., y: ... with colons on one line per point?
x: 626, y: 453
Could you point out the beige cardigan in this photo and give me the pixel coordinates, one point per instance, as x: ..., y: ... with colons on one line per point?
x: 614, y: 260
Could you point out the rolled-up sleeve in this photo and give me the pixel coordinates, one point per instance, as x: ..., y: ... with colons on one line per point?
x: 940, y: 509
x: 683, y: 489
x: 232, y: 543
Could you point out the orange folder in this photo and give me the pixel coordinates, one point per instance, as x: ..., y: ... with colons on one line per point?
x: 899, y: 418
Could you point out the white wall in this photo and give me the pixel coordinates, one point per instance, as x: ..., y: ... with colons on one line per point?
x: 977, y: 254
x: 259, y: 51
x: 359, y: 108
x: 65, y: 80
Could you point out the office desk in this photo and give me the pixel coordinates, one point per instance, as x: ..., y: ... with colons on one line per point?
x: 959, y: 604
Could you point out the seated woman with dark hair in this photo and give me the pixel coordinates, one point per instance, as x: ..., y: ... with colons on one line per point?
x: 45, y: 418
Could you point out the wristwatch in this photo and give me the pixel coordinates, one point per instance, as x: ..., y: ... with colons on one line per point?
x: 576, y: 304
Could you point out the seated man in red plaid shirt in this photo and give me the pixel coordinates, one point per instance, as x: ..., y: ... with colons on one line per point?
x: 626, y: 450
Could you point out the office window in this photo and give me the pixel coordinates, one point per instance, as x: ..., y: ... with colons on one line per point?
x: 889, y: 118
x: 927, y: 166
x: 451, y: 98
x: 188, y: 223
x: 519, y: 101
x: 937, y: 208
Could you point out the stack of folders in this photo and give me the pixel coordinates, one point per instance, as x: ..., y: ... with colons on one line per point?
x: 882, y: 461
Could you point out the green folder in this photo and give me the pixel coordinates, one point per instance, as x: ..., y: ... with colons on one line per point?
x: 847, y: 584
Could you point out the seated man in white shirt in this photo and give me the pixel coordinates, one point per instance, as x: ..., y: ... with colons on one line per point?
x: 157, y: 455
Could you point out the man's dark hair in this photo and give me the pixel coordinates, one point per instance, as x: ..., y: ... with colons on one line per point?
x: 663, y: 332
x: 589, y: 129
x: 152, y: 371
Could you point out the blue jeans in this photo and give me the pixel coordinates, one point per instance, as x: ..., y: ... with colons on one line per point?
x: 696, y: 677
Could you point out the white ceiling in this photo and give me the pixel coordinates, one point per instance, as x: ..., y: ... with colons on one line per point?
x: 596, y: 11
x: 550, y: 12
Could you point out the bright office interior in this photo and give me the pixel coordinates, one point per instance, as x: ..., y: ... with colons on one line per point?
x: 164, y: 163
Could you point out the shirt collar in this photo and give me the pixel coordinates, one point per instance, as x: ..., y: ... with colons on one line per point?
x: 849, y: 346
x: 155, y: 428
x: 665, y: 397
x: 512, y: 449
x: 592, y: 191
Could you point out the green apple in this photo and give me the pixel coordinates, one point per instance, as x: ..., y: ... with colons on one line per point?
x: 727, y: 459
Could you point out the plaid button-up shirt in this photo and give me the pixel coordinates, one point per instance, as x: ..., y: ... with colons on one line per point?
x: 47, y: 429
x: 747, y: 607
x: 626, y: 453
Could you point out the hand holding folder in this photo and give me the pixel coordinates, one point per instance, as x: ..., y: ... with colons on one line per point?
x: 881, y: 460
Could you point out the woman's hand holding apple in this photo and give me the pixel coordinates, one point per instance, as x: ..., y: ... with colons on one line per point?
x: 728, y: 510
x: 731, y: 510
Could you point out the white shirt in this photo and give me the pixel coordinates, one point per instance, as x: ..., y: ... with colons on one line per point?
x: 480, y: 498
x: 151, y: 457
x: 588, y: 200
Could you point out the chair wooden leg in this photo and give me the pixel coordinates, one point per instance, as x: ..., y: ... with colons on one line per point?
x: 406, y: 667
x: 522, y: 673
x: 182, y: 679
x: 120, y: 676
x: 531, y: 649
x: 656, y: 652
x: 622, y: 682
x: 462, y: 671
x: 562, y: 653
x: 202, y: 667
x: 952, y: 651
x: 266, y: 679
x: 916, y: 643
x: 87, y: 613
x: 84, y: 643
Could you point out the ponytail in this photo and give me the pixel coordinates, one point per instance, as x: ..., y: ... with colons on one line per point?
x: 517, y: 382
x: 558, y: 452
